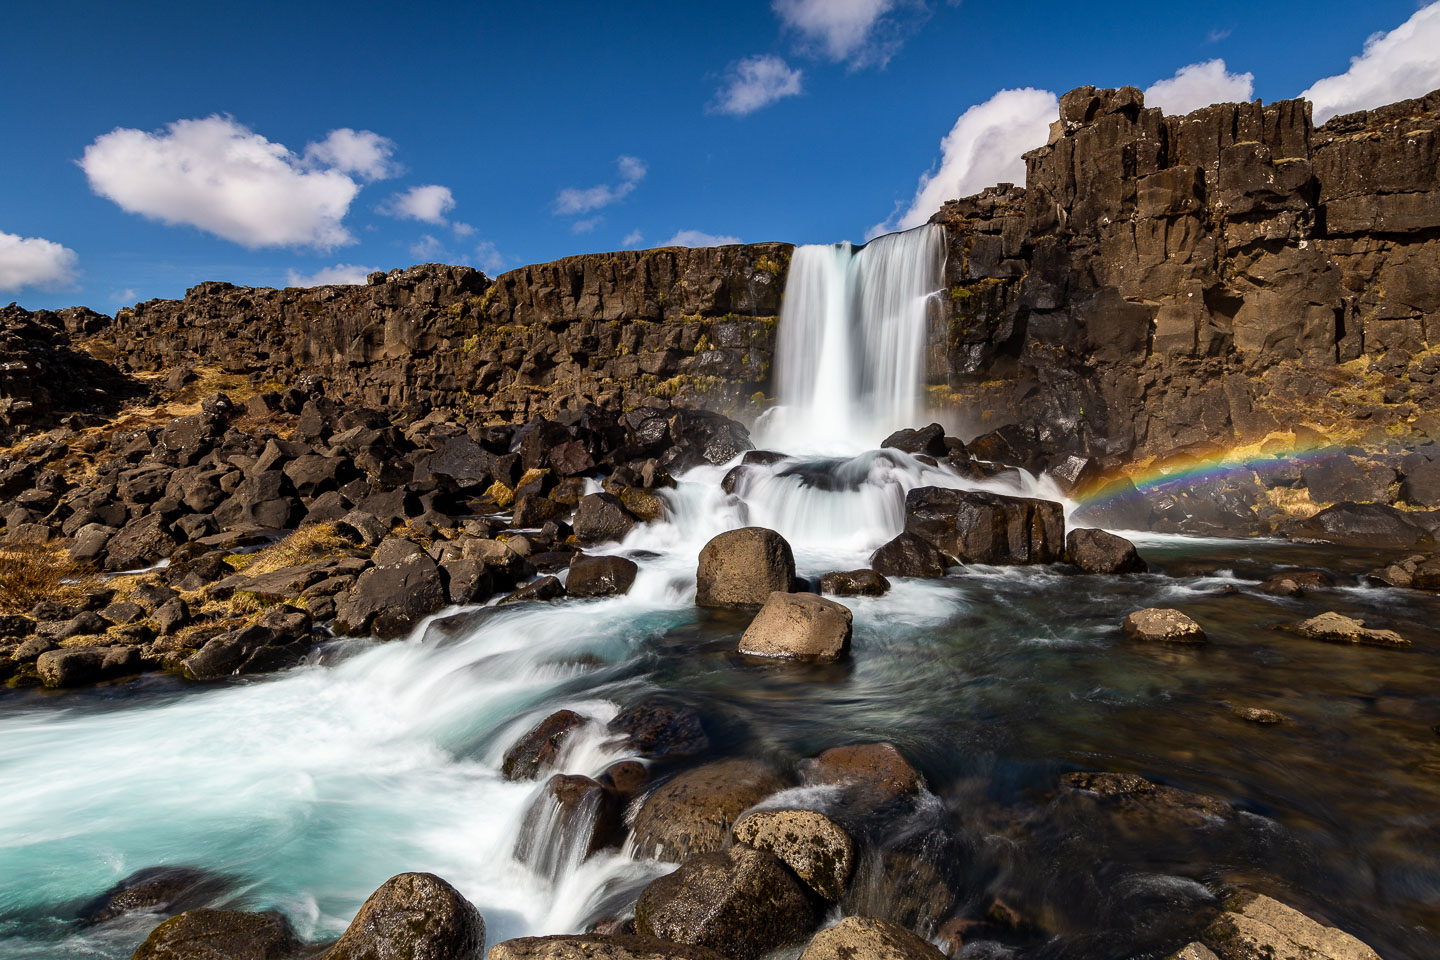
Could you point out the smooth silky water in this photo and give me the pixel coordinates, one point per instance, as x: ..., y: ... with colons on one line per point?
x: 307, y: 790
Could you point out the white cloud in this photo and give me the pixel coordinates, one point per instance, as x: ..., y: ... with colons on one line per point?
x: 574, y: 200
x: 755, y: 82
x: 341, y: 273
x: 359, y: 152
x: 220, y: 176
x: 462, y: 229
x: 427, y: 247
x: 1199, y: 85
x: 586, y: 226
x: 984, y: 147
x: 34, y: 262
x: 1398, y: 65
x: 857, y: 31
x: 632, y: 239
x: 127, y: 295
x: 489, y: 258
x: 428, y: 203
x: 697, y: 238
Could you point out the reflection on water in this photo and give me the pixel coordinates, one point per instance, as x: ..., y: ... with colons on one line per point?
x: 312, y: 788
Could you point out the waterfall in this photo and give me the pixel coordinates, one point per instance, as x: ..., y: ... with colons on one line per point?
x: 849, y: 364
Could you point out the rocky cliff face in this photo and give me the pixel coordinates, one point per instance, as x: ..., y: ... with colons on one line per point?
x: 689, y: 324
x: 1167, y: 281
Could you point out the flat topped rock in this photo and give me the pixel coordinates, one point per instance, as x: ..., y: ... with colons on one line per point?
x: 1336, y: 628
x: 1255, y: 927
x: 799, y: 626
x: 1162, y: 626
x: 870, y: 938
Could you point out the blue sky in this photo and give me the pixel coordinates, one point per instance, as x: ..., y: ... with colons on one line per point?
x: 534, y: 131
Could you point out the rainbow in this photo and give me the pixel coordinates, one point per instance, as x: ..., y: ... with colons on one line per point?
x: 1184, y: 469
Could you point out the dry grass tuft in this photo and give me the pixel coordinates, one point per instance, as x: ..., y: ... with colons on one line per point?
x: 303, y: 546
x: 29, y: 574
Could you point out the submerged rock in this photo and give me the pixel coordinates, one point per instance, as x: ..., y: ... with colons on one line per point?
x: 694, y: 812
x: 741, y: 568
x: 740, y: 902
x: 855, y: 583
x: 909, y: 556
x: 871, y: 938
x: 1255, y: 927
x: 1164, y: 626
x: 799, y: 626
x: 1335, y: 628
x: 221, y: 935
x: 1096, y: 551
x: 596, y: 946
x: 817, y: 849
x: 539, y: 747
x: 171, y: 889
x: 657, y: 729
x: 415, y: 916
x: 877, y: 766
x: 573, y: 818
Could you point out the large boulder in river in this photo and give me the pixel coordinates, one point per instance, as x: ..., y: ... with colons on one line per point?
x: 658, y: 729
x: 871, y: 938
x: 82, y: 666
x: 220, y: 935
x: 540, y: 746
x: 600, y: 576
x: 855, y: 583
x: 799, y: 626
x: 1096, y: 551
x: 1162, y: 626
x: 404, y: 587
x: 740, y: 902
x: 593, y: 946
x: 694, y: 812
x: 816, y: 848
x: 909, y: 556
x: 743, y: 567
x: 1255, y: 927
x: 871, y: 766
x: 415, y: 916
x: 1370, y: 525
x: 978, y: 527
x: 601, y: 517
x: 928, y: 440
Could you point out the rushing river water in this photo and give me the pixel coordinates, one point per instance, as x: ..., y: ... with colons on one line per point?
x: 305, y: 791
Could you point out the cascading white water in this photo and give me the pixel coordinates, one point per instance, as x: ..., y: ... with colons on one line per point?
x: 850, y: 357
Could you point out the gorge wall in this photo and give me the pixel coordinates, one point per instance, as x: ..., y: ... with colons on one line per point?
x: 1161, y: 282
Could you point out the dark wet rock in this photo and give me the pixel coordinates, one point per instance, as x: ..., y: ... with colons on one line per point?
x: 392, y: 597
x: 168, y: 889
x: 14, y: 626
x: 910, y: 556
x: 601, y: 517
x: 83, y: 624
x: 987, y: 528
x: 413, y: 916
x: 222, y: 656
x: 1421, y: 485
x: 598, y: 946
x: 1369, y: 525
x: 799, y: 626
x: 741, y: 902
x: 534, y: 510
x: 1096, y: 551
x: 466, y: 581
x: 545, y: 588
x: 1163, y: 626
x: 874, y: 766
x: 817, y: 849
x: 1255, y: 927
x: 927, y: 440
x: 855, y: 583
x: 1336, y: 628
x: 141, y: 543
x: 701, y: 437
x: 81, y: 666
x: 540, y: 746
x: 693, y: 813
x: 743, y: 567
x: 1139, y: 799
x: 571, y: 814
x: 871, y: 938
x: 600, y: 576
x: 122, y: 612
x: 152, y: 596
x: 221, y: 935
x: 625, y: 778
x: 658, y: 729
x: 1343, y: 478
x: 1294, y: 583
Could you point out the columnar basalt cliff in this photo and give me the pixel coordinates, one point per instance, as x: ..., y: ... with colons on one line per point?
x: 694, y: 325
x: 1164, y: 281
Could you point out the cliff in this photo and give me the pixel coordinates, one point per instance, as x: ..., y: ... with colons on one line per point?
x: 1171, y: 281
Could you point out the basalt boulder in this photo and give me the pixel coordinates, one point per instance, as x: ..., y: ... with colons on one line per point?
x: 1163, y: 626
x: 1370, y: 525
x: 871, y: 938
x: 1256, y: 927
x: 872, y: 766
x: 81, y: 666
x: 658, y: 729
x: 205, y: 934
x: 988, y: 528
x: 600, y: 576
x: 740, y: 902
x: 171, y: 889
x: 693, y: 813
x: 909, y: 556
x: 743, y: 567
x: 415, y: 916
x: 601, y: 517
x: 540, y: 746
x: 1096, y: 551
x: 799, y: 626
x: 392, y: 597
x: 596, y: 946
x: 817, y: 849
x: 855, y: 583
